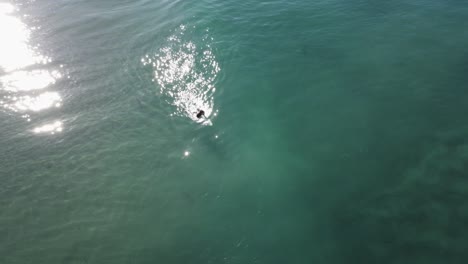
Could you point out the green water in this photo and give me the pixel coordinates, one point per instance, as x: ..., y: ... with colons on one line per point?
x: 335, y: 132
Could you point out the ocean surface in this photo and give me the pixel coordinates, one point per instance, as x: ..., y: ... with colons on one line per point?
x: 335, y: 131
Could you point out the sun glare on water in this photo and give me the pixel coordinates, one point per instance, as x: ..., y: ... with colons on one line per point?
x: 25, y: 79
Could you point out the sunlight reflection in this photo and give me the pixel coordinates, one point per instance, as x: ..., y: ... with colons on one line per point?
x: 15, y: 53
x: 51, y: 128
x: 22, y: 72
x: 41, y: 102
x: 27, y: 81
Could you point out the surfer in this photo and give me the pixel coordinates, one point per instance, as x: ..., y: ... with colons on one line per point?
x: 200, y: 113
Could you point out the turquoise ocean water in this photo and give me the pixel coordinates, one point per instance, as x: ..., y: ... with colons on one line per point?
x: 335, y: 131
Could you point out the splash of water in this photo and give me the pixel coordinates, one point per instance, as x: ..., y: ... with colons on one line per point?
x: 185, y: 72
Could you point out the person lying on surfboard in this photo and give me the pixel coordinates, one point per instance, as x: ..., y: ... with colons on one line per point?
x: 201, y: 113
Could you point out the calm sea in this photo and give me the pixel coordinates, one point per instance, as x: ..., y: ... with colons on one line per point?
x: 335, y: 132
